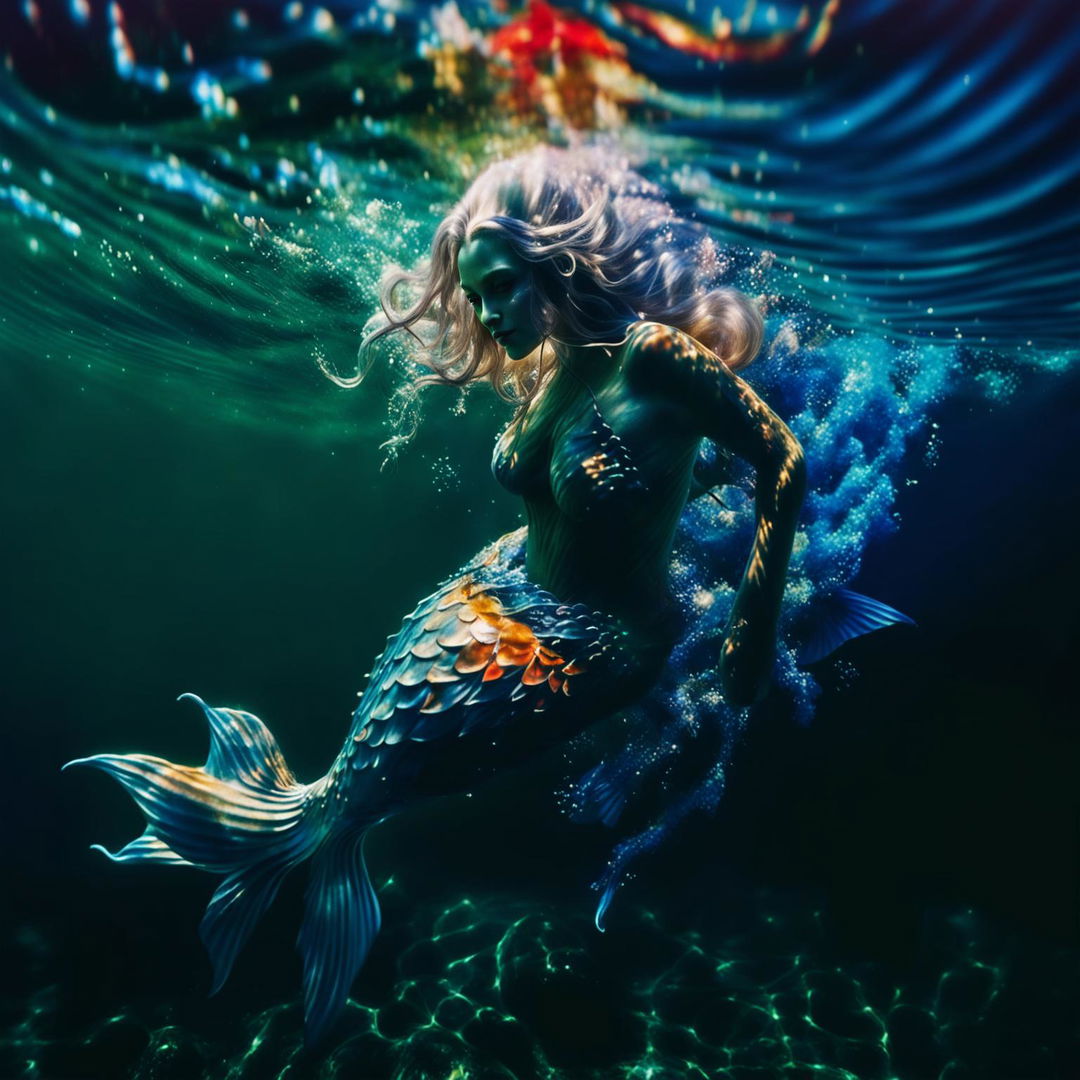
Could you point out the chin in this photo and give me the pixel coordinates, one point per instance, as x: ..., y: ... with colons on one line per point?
x: 518, y: 352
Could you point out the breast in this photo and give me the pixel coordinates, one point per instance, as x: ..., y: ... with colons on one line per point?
x: 592, y: 470
x: 611, y: 457
x: 520, y: 462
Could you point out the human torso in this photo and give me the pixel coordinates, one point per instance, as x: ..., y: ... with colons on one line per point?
x: 604, y: 471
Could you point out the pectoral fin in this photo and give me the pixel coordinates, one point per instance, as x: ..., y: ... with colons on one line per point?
x: 841, y: 616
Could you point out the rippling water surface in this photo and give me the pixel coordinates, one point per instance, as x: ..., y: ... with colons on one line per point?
x: 196, y: 202
x: 901, y: 173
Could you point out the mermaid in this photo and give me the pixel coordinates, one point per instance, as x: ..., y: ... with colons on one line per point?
x: 571, y: 286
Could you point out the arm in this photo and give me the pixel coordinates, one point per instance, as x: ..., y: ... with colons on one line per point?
x: 672, y: 365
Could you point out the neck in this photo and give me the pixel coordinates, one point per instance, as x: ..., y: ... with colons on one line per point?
x: 586, y: 362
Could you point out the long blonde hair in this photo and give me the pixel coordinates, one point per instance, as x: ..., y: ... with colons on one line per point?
x: 606, y: 250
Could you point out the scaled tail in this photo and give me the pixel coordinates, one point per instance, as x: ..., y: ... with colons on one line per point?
x: 243, y: 815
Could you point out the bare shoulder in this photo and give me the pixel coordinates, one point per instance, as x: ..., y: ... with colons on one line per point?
x: 669, y: 366
x: 664, y: 358
x: 657, y: 340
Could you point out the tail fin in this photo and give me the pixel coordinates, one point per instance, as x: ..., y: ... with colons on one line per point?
x: 244, y: 815
x: 341, y: 919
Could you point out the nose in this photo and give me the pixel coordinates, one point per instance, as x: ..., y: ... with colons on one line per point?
x: 490, y: 317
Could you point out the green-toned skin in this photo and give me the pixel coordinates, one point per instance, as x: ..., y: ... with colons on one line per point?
x: 661, y: 392
x: 669, y: 365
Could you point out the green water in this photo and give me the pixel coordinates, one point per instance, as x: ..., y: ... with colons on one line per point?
x: 192, y: 506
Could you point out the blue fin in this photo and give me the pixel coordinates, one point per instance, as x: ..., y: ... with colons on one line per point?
x: 341, y: 919
x: 234, y: 911
x: 600, y: 798
x: 242, y: 815
x: 604, y: 902
x: 148, y: 848
x: 841, y: 616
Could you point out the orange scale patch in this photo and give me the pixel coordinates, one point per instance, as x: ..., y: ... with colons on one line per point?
x: 534, y: 674
x: 486, y: 606
x: 517, y: 633
x: 510, y: 655
x: 473, y: 657
x: 461, y: 595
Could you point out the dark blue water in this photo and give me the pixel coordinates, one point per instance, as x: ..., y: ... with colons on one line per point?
x: 889, y: 890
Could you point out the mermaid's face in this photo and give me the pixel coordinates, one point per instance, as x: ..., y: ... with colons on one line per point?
x: 499, y: 286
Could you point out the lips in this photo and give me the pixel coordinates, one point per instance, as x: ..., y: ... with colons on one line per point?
x: 502, y: 335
